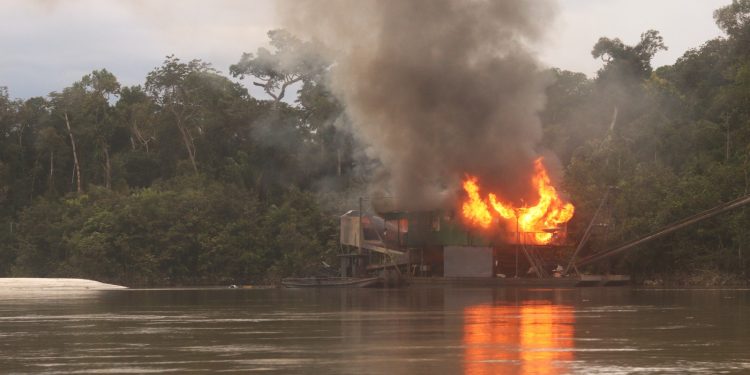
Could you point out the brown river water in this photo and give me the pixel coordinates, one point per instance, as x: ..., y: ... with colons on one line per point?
x: 417, y: 330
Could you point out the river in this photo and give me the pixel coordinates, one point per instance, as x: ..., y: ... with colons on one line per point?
x: 418, y: 330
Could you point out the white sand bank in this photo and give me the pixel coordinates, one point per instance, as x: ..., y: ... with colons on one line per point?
x: 51, y: 284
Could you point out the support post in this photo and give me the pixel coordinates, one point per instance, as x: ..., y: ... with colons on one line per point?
x: 360, y: 231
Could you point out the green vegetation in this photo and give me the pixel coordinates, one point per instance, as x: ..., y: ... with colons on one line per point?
x: 186, y: 180
x: 673, y: 141
x: 189, y: 179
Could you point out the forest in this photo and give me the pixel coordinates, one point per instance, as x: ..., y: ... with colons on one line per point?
x: 188, y: 179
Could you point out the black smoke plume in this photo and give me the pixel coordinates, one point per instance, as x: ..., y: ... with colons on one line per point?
x: 436, y: 88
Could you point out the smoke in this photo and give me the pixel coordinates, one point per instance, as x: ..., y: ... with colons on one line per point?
x: 436, y: 88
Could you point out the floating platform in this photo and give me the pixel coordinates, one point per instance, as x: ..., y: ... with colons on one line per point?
x: 562, y: 282
x: 52, y: 284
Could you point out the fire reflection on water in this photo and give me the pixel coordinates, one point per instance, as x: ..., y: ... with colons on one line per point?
x: 533, y: 338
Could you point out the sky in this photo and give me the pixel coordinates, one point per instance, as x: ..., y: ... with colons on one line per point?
x: 47, y: 45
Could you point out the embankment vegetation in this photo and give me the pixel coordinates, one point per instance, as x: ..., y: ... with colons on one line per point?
x: 189, y: 179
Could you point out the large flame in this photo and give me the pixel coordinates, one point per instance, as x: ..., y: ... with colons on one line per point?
x: 541, y: 220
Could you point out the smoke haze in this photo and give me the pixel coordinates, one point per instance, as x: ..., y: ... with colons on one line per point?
x: 436, y: 88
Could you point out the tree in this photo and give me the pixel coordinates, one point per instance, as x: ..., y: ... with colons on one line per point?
x: 169, y: 86
x: 7, y: 124
x: 623, y: 61
x: 569, y: 118
x: 292, y: 61
x: 734, y: 18
x: 136, y: 109
x: 38, y: 147
x: 101, y: 85
x: 85, y: 111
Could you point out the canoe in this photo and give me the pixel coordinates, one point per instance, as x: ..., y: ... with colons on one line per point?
x: 330, y: 282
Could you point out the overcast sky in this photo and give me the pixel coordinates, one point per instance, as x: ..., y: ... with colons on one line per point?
x: 48, y: 44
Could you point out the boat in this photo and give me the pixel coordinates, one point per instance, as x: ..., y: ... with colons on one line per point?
x: 330, y: 282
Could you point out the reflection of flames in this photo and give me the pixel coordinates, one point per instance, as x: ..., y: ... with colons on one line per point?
x: 548, y: 213
x: 538, y: 335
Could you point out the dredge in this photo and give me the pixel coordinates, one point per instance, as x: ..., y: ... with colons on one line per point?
x: 484, y: 240
x: 436, y: 247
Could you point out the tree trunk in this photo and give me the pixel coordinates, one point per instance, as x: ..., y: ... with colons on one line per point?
x: 188, y: 140
x: 139, y: 136
x: 107, y: 167
x: 33, y: 180
x: 610, y: 137
x: 20, y: 140
x: 727, y: 128
x: 614, y: 120
x: 76, y: 165
x: 726, y: 159
x: 51, y: 178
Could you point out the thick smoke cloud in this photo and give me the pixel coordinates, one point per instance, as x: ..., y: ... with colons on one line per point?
x: 436, y: 88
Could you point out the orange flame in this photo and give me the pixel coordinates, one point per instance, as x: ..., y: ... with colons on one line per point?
x: 475, y: 209
x: 547, y: 214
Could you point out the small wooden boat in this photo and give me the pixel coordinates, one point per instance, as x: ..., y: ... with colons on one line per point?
x: 330, y: 282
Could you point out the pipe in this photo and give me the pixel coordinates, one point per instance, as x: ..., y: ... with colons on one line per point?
x: 739, y: 202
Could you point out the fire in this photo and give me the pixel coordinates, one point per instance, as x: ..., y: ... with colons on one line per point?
x: 475, y: 209
x: 549, y: 213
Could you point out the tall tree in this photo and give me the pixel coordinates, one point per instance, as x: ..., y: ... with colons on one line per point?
x: 101, y: 86
x: 86, y: 112
x: 138, y: 112
x: 8, y: 113
x: 292, y: 61
x: 170, y: 87
x: 623, y: 61
x: 734, y: 19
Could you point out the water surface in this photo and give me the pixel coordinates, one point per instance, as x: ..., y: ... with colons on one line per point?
x: 377, y: 331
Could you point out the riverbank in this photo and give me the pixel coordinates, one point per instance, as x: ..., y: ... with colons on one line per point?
x: 698, y: 278
x: 52, y: 284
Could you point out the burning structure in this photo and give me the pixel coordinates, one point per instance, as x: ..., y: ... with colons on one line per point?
x: 540, y: 224
x: 483, y: 237
x: 443, y: 96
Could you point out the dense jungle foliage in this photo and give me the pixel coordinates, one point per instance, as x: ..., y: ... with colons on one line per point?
x: 670, y: 142
x: 189, y: 179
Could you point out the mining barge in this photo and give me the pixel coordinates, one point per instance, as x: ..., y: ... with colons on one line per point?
x: 435, y: 248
